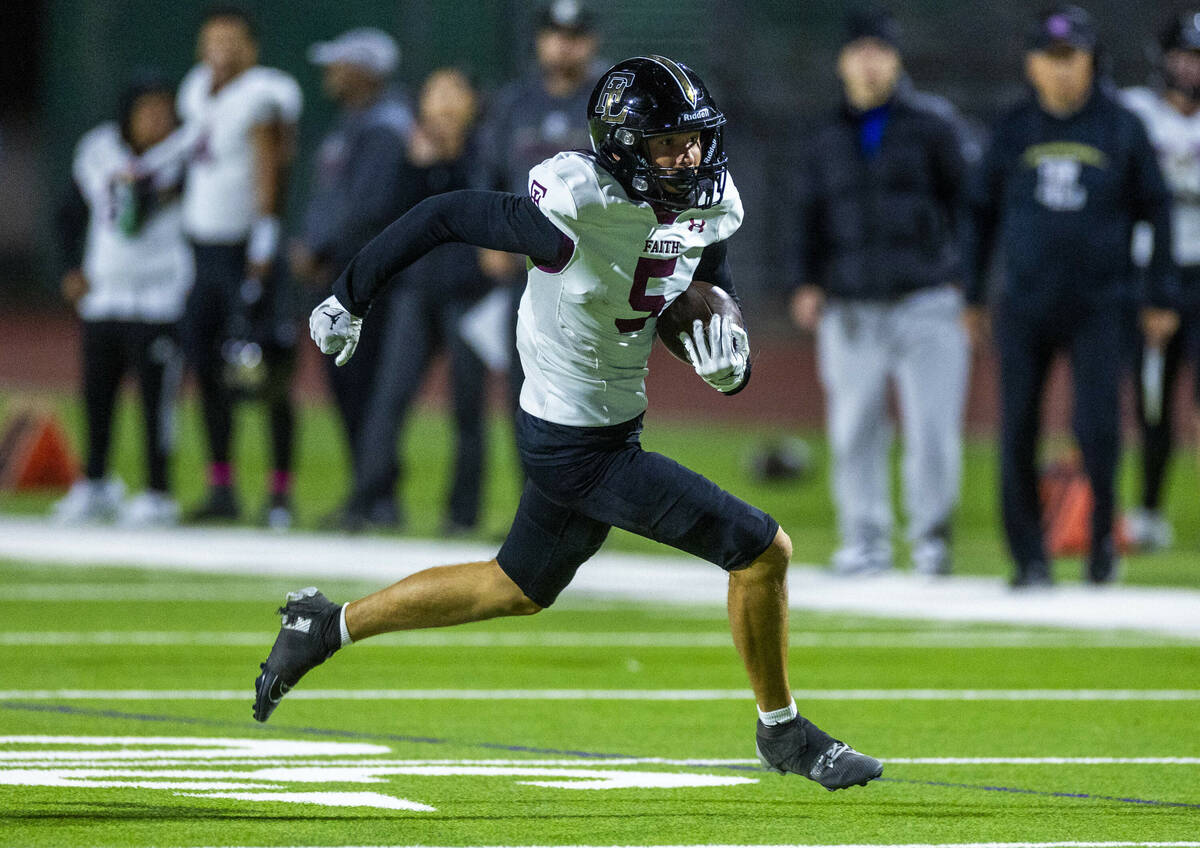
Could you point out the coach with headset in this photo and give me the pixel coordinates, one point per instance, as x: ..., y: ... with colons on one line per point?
x: 1067, y: 175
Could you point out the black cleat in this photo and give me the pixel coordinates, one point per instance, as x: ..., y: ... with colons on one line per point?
x: 309, y: 635
x: 800, y: 747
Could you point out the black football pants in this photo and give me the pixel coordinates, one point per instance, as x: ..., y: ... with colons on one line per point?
x: 1158, y: 437
x: 211, y: 307
x: 112, y: 349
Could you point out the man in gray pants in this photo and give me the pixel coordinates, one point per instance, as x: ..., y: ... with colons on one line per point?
x: 879, y: 209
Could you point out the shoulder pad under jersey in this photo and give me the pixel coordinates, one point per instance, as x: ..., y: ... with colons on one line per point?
x: 567, y: 189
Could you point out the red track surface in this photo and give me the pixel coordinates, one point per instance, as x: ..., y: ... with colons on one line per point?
x: 40, y: 352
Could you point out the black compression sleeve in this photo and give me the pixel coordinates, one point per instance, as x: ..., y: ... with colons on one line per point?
x: 491, y: 219
x: 714, y: 266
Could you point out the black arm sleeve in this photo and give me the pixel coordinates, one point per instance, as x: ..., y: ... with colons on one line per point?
x: 491, y: 219
x: 72, y: 221
x: 714, y: 268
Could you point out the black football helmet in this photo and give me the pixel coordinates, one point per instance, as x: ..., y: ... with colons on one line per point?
x: 1181, y: 33
x: 651, y: 96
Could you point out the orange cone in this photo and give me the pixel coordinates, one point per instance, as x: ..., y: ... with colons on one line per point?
x: 34, y: 454
x: 1067, y: 503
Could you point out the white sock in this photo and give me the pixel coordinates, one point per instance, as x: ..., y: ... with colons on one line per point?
x: 346, y: 640
x: 779, y: 716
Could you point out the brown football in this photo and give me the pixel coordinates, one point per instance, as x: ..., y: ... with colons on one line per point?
x: 701, y: 300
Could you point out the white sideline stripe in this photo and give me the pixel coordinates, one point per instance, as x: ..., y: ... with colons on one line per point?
x: 575, y: 639
x: 609, y: 576
x: 608, y: 694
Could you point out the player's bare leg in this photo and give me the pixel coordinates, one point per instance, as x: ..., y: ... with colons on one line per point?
x: 786, y: 741
x: 314, y: 627
x: 758, y: 619
x: 438, y: 597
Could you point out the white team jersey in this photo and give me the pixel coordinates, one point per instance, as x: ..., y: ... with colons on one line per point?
x: 585, y: 331
x: 139, y: 277
x: 1176, y: 137
x: 218, y: 204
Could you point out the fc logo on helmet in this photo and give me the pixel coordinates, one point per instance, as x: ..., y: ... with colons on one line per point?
x: 607, y: 107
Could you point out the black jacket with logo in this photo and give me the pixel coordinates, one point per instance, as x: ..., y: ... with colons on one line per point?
x: 878, y: 228
x: 1063, y: 194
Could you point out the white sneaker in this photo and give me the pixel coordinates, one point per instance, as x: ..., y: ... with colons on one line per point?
x: 89, y: 501
x: 862, y: 560
x: 1148, y: 530
x: 149, y: 509
x: 279, y: 517
x: 931, y: 557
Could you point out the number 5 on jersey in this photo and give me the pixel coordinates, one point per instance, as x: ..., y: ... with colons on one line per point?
x: 646, y: 269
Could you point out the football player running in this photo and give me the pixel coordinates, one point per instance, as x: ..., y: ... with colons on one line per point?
x: 1171, y: 113
x: 238, y: 330
x: 613, y: 237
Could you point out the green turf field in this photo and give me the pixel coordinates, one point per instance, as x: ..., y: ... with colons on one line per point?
x: 125, y: 721
x: 719, y: 451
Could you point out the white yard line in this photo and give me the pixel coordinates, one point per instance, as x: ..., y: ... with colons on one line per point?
x: 954, y: 639
x: 606, y: 694
x: 308, y: 557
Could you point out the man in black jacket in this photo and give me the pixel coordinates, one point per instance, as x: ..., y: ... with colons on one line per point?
x: 880, y: 204
x: 356, y: 190
x: 1068, y: 174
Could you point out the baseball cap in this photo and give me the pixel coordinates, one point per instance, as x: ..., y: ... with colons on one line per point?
x: 1182, y: 33
x: 368, y: 48
x: 1064, y: 24
x: 872, y: 22
x: 569, y: 16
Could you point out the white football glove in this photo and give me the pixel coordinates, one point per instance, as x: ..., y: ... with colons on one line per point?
x: 720, y: 356
x: 334, y: 329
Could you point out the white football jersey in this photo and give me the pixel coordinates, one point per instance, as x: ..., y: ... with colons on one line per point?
x: 140, y: 277
x: 585, y: 329
x: 218, y: 204
x: 1176, y: 137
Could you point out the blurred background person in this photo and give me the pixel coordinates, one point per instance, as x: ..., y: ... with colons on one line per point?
x: 239, y: 326
x: 880, y: 208
x: 424, y: 316
x: 1066, y: 176
x: 530, y: 120
x: 129, y: 274
x: 1171, y: 112
x: 356, y: 192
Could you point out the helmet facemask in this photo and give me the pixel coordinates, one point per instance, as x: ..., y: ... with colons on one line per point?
x: 626, y: 152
